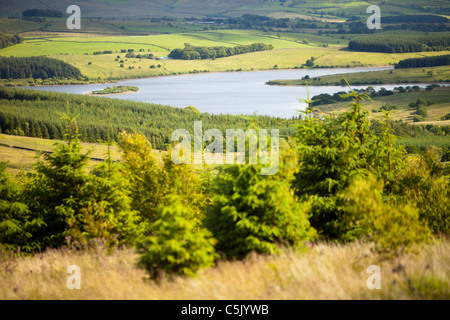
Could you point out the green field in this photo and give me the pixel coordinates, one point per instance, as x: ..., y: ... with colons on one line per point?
x: 440, y: 107
x: 289, y: 52
x: 412, y: 75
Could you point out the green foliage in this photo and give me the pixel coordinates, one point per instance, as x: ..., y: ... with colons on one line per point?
x: 116, y: 89
x: 17, y: 222
x: 424, y: 62
x: 106, y: 211
x: 446, y: 117
x: 400, y: 44
x: 422, y: 111
x: 56, y: 191
x: 394, y: 228
x: 36, y: 67
x: 76, y: 205
x: 334, y: 152
x: 388, y: 107
x: 37, y: 112
x: 196, y: 53
x: 310, y: 62
x: 423, y: 183
x: 176, y: 247
x: 153, y: 181
x: 253, y: 212
x: 7, y: 40
x: 42, y: 13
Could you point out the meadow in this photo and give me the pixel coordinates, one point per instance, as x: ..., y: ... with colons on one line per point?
x: 439, y: 97
x: 405, y: 76
x: 21, y: 152
x: 289, y: 52
x: 326, y: 272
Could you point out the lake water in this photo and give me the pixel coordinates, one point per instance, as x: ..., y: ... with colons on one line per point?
x: 226, y: 93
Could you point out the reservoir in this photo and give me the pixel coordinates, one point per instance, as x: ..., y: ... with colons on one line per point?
x: 227, y: 93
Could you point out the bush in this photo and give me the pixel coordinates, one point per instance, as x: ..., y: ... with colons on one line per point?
x: 55, y: 193
x: 394, y: 228
x: 446, y: 117
x: 334, y: 152
x: 17, y: 222
x: 252, y: 212
x: 176, y: 248
x: 153, y: 181
x: 423, y: 183
x: 422, y: 111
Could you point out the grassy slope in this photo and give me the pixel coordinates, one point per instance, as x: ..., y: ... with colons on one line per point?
x: 23, y: 160
x: 439, y: 96
x: 187, y: 8
x: 418, y: 75
x: 327, y: 272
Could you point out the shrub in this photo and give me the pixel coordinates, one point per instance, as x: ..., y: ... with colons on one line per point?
x: 422, y: 111
x: 252, y: 212
x: 334, y: 152
x: 423, y: 183
x: 176, y: 248
x: 75, y: 204
x: 17, y: 222
x: 55, y: 192
x: 152, y: 181
x: 394, y: 228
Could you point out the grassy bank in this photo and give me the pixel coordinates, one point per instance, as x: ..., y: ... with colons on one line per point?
x: 328, y: 271
x: 439, y: 97
x: 411, y: 75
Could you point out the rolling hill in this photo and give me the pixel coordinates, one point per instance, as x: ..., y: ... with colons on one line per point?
x: 197, y: 8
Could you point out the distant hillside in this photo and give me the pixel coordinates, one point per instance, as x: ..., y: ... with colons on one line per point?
x: 186, y: 8
x: 125, y: 8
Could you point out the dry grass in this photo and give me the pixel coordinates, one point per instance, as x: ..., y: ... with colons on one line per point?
x: 327, y: 272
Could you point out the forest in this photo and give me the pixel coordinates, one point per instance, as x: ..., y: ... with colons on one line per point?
x: 37, y: 68
x: 415, y: 18
x: 36, y: 114
x: 21, y: 113
x: 47, y: 13
x: 196, y: 53
x: 424, y: 62
x: 338, y: 181
x: 400, y: 44
x: 7, y: 40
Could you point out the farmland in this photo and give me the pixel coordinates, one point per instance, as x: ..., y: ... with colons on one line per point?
x: 289, y: 52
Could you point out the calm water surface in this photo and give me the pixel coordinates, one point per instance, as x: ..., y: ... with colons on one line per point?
x: 223, y: 93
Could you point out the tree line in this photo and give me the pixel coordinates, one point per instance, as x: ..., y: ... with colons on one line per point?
x: 196, y: 53
x: 37, y: 68
x: 48, y: 13
x: 400, y: 44
x: 424, y: 62
x: 36, y: 114
x: 415, y: 18
x: 7, y: 40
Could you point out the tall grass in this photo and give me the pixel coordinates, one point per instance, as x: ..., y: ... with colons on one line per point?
x: 328, y: 271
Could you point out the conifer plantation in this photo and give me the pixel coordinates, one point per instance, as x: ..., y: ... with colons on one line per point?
x: 37, y: 114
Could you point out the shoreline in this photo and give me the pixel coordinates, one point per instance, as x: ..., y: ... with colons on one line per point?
x: 116, y: 81
x: 359, y: 85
